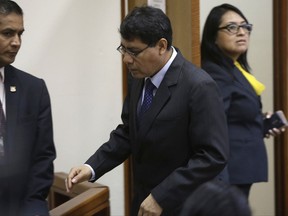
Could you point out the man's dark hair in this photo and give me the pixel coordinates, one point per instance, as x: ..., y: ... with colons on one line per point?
x: 209, y: 49
x: 148, y: 24
x: 8, y: 7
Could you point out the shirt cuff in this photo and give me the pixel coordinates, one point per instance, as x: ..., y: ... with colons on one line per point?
x: 93, y: 178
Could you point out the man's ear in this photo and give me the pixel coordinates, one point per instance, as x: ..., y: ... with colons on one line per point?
x: 162, y: 44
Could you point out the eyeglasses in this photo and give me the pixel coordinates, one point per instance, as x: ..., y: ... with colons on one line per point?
x: 124, y: 50
x: 234, y: 28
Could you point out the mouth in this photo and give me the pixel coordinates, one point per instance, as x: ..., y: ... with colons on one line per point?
x: 241, y: 41
x: 131, y: 70
x: 12, y: 53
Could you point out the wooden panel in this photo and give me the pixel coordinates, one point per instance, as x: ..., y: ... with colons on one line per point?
x: 195, y: 19
x: 85, y: 199
x: 135, y: 3
x: 178, y: 12
x: 94, y: 202
x: 281, y: 102
x: 184, y: 16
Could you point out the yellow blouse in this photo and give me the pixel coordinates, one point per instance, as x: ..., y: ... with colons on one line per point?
x: 258, y: 86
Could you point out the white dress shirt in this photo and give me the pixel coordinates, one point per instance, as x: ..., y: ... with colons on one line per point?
x: 2, y: 90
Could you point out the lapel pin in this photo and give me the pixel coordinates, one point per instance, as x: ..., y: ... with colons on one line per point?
x: 12, y: 88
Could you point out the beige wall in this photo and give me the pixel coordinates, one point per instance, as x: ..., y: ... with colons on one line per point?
x: 260, y: 58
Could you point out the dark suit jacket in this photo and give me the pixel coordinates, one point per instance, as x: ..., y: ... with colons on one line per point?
x: 248, y: 158
x: 181, y: 142
x: 27, y: 169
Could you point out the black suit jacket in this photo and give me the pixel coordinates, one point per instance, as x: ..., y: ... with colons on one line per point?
x: 248, y: 158
x: 180, y: 143
x: 27, y: 169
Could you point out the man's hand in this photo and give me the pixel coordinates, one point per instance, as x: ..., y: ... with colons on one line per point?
x: 76, y: 175
x: 149, y: 207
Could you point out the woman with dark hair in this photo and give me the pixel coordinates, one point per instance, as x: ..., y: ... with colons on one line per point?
x: 224, y: 47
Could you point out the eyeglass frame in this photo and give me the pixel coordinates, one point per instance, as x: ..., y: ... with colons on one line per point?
x: 247, y: 27
x: 124, y: 50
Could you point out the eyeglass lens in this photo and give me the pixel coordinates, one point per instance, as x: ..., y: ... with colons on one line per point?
x: 234, y: 28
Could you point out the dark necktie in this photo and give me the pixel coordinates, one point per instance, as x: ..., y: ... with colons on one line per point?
x: 148, y: 96
x: 2, y: 126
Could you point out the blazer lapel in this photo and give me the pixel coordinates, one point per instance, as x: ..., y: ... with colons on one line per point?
x: 136, y: 91
x: 243, y: 82
x: 160, y: 99
x: 162, y: 95
x: 12, y: 98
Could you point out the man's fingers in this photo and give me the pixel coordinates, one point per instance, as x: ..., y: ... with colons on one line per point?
x: 71, y: 178
x: 77, y: 175
x: 150, y: 207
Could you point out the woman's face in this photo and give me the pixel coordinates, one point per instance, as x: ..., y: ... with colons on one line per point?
x: 234, y: 43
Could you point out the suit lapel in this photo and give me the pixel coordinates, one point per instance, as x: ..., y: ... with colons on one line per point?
x: 12, y: 98
x: 162, y: 95
x: 159, y: 101
x: 243, y: 82
x: 136, y: 90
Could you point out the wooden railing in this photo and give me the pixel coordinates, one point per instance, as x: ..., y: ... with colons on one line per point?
x: 86, y: 199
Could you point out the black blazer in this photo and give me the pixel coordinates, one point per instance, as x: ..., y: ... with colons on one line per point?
x: 248, y: 158
x: 27, y: 169
x: 181, y: 142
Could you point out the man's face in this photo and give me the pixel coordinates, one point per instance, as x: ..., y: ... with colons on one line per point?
x: 146, y: 63
x: 11, y: 29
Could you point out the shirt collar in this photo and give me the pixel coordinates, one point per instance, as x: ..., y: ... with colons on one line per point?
x: 158, y: 77
x: 2, y: 73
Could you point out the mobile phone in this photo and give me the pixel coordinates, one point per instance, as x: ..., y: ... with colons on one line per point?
x: 277, y: 120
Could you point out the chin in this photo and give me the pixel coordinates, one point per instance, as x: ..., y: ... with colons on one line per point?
x: 8, y: 61
x: 136, y: 75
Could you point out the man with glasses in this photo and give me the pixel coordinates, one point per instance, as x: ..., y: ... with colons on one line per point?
x: 173, y: 121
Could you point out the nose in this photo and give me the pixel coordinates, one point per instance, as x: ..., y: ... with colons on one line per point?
x: 127, y: 59
x: 16, y: 40
x: 241, y: 30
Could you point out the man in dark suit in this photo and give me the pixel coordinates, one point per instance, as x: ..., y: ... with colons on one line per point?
x: 27, y: 149
x: 177, y: 143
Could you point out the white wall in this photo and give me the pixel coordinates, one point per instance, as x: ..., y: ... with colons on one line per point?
x: 72, y: 45
x: 260, y: 56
